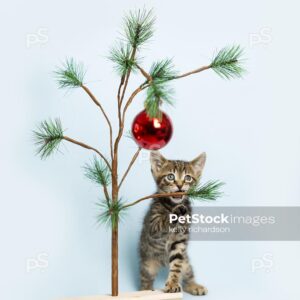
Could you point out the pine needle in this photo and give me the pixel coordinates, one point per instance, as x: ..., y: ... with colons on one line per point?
x: 139, y: 27
x: 228, y: 63
x: 120, y: 55
x: 163, y: 70
x: 71, y: 74
x: 47, y: 137
x: 157, y: 93
x: 111, y: 212
x: 207, y: 191
x: 98, y: 172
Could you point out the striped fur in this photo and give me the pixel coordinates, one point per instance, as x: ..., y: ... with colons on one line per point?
x: 162, y: 243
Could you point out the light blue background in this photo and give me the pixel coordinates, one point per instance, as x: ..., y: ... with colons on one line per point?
x: 249, y: 129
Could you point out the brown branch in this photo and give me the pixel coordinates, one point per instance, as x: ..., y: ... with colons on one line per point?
x: 135, y: 156
x: 120, y: 87
x: 114, y: 260
x: 87, y: 90
x: 162, y: 195
x: 127, y: 77
x: 144, y: 73
x: 119, y: 99
x: 106, y: 194
x: 116, y: 144
x: 139, y: 89
x: 129, y: 101
x: 89, y: 148
x: 115, y: 190
x: 192, y: 72
x: 124, y: 89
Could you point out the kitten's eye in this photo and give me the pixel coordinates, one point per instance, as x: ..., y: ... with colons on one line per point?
x: 171, y: 177
x: 188, y: 178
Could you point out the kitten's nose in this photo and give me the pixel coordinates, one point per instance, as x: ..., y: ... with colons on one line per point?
x: 179, y: 186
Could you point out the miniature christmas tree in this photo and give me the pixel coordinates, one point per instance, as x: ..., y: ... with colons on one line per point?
x: 138, y: 30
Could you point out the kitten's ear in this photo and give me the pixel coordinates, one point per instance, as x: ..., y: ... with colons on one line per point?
x: 157, y: 161
x: 198, y: 163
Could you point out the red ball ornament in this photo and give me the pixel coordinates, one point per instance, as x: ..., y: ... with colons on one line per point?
x: 152, y: 133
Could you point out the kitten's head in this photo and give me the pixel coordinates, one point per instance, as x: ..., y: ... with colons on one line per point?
x: 176, y: 175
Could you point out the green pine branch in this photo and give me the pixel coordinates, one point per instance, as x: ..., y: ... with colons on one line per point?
x: 111, y: 212
x: 139, y: 27
x: 98, y: 172
x: 206, y: 191
x: 121, y: 57
x: 158, y: 92
x: 47, y: 137
x: 228, y: 62
x: 163, y: 70
x: 71, y: 74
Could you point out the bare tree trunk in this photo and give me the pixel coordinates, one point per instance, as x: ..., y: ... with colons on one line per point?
x: 114, y: 237
x: 114, y: 258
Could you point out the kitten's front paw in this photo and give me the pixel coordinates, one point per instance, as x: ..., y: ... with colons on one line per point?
x: 179, y: 210
x: 171, y: 287
x: 195, y: 289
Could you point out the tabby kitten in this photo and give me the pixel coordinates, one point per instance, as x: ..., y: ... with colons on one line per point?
x: 160, y: 246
